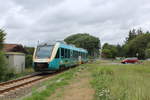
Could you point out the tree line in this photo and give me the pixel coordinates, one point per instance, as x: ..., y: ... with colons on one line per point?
x: 84, y: 40
x: 137, y: 44
x: 4, y: 70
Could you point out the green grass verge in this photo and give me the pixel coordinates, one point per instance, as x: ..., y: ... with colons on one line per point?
x: 57, y: 82
x: 11, y: 75
x: 121, y: 82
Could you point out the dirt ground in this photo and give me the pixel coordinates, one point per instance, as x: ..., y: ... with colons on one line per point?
x: 79, y: 89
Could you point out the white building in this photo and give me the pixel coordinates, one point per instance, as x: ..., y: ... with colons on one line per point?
x: 16, y: 57
x: 16, y: 61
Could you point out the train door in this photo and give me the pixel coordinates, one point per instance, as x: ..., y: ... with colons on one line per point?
x: 56, y: 62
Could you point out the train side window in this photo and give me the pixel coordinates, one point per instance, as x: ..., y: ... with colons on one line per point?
x: 57, y: 55
x: 83, y: 55
x: 73, y: 54
x: 62, y: 52
x: 66, y: 53
x: 77, y: 54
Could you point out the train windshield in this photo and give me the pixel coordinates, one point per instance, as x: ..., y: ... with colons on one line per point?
x: 44, y: 51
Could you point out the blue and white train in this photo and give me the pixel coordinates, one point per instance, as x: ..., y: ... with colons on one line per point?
x: 51, y: 57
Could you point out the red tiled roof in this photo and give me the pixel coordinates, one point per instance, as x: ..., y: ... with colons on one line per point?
x: 9, y: 47
x: 13, y: 48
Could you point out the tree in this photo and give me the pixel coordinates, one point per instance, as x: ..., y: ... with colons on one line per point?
x: 106, y: 53
x: 134, y: 47
x: 29, y: 50
x: 29, y: 55
x: 29, y: 61
x: 138, y: 46
x: 147, y: 32
x: 148, y: 45
x: 3, y: 67
x: 139, y: 31
x: 132, y: 35
x: 120, y: 50
x: 147, y: 53
x: 109, y: 51
x: 2, y: 38
x: 86, y: 41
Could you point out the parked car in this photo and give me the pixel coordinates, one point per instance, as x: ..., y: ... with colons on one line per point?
x: 130, y: 60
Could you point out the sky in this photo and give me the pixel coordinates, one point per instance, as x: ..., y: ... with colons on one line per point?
x: 29, y: 21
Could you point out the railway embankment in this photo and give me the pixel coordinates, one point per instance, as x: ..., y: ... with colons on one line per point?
x: 121, y: 81
x: 100, y: 80
x: 57, y: 82
x: 13, y: 89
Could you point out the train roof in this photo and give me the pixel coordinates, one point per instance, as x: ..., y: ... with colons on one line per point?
x: 72, y: 47
x: 65, y: 45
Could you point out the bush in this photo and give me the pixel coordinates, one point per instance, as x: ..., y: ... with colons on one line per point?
x: 3, y: 66
x: 147, y: 53
x: 6, y: 73
x: 28, y: 61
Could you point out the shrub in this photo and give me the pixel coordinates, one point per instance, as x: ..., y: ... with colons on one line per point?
x: 28, y: 60
x: 3, y: 66
x: 147, y: 53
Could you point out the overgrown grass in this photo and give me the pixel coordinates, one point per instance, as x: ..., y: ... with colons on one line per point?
x: 27, y: 71
x: 51, y: 85
x: 121, y: 82
x: 10, y: 75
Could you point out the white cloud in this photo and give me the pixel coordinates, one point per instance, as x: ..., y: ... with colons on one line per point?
x: 27, y: 21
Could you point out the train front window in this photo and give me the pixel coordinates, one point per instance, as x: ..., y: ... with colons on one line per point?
x: 44, y: 51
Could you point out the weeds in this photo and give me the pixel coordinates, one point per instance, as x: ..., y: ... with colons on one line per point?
x: 121, y: 82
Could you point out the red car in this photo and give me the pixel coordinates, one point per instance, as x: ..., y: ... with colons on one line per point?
x: 130, y: 60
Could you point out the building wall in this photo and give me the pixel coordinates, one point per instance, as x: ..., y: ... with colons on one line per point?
x: 10, y: 60
x: 19, y: 62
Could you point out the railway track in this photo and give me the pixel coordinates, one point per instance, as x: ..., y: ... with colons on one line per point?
x: 15, y: 89
x: 17, y: 84
x: 10, y: 87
